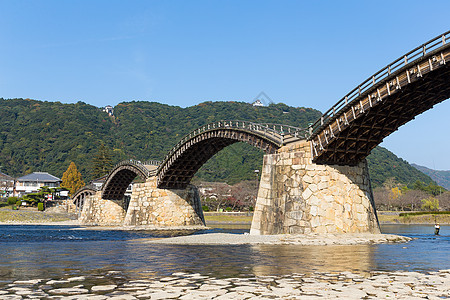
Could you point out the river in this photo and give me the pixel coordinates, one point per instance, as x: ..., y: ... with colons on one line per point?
x: 29, y: 252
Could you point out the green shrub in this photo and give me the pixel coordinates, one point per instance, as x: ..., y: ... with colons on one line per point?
x: 18, y: 203
x: 40, y: 206
x: 12, y: 200
x: 228, y: 209
x: 419, y: 213
x: 205, y: 207
x: 15, y: 207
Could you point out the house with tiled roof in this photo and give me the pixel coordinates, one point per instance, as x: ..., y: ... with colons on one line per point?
x: 31, y: 183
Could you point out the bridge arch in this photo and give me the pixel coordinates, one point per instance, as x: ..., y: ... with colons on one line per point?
x: 80, y: 196
x: 123, y: 174
x: 390, y: 98
x: 196, y: 148
x: 87, y: 189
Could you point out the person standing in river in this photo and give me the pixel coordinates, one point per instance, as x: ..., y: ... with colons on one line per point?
x: 436, y: 229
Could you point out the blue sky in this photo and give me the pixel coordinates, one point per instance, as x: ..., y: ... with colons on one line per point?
x: 302, y: 53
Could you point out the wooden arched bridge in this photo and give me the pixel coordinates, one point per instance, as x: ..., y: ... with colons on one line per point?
x: 196, y: 148
x: 391, y: 97
x: 186, y: 157
x: 123, y: 174
x: 80, y: 196
x: 298, y: 191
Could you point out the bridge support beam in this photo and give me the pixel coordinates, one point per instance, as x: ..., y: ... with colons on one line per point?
x: 164, y: 208
x: 98, y: 211
x: 297, y: 196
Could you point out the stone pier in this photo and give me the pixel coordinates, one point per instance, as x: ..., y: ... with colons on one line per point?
x: 149, y: 206
x: 98, y: 211
x: 164, y: 208
x: 296, y: 196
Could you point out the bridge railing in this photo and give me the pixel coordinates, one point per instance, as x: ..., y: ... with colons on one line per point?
x: 286, y: 130
x: 378, y: 77
x: 275, y: 132
x: 139, y: 164
x: 86, y: 187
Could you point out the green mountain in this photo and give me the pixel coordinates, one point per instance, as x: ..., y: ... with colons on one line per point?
x: 442, y: 178
x: 47, y: 136
x: 384, y: 164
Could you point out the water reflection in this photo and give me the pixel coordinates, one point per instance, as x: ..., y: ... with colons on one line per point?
x: 137, y: 259
x: 286, y: 259
x: 242, y: 260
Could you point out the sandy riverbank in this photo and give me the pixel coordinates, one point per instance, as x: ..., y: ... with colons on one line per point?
x: 28, y: 216
x: 46, y: 223
x: 298, y: 239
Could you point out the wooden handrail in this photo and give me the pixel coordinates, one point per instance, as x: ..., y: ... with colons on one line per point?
x: 413, y: 55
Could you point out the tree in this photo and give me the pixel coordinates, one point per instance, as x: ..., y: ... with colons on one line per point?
x: 444, y: 201
x: 432, y: 188
x: 72, y: 179
x: 412, y: 199
x: 430, y: 203
x: 102, y: 162
x: 392, y: 186
x: 394, y: 196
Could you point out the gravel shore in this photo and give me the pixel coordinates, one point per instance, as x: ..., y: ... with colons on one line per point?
x: 300, y: 239
x: 344, y: 285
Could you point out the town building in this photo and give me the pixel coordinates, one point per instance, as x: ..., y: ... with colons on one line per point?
x: 98, y: 182
x: 31, y: 183
x: 6, y: 185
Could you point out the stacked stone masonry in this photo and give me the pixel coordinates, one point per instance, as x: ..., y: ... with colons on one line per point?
x: 297, y: 196
x: 160, y: 208
x: 149, y: 206
x: 98, y: 211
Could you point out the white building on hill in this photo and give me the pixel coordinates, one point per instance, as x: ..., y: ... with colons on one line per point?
x: 258, y: 103
x: 109, y: 110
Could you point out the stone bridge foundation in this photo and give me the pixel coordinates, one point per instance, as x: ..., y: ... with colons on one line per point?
x: 164, y: 208
x: 296, y: 196
x: 98, y: 211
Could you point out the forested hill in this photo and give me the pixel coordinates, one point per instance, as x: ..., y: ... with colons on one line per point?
x: 384, y: 164
x: 441, y: 177
x: 47, y: 136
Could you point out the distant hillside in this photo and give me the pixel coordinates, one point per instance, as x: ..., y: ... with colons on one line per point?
x: 384, y: 164
x: 47, y: 136
x: 441, y: 177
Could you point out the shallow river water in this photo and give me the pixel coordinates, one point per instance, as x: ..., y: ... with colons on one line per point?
x: 29, y: 252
